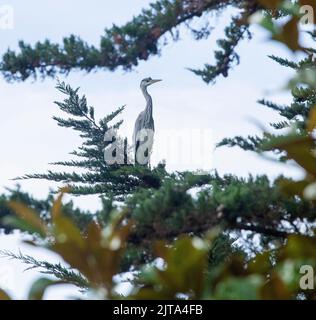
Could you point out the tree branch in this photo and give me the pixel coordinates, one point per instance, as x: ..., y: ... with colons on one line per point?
x: 120, y: 46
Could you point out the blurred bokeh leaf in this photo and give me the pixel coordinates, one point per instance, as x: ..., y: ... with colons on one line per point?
x: 4, y: 295
x: 39, y: 288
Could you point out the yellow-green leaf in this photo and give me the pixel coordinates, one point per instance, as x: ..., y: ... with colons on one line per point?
x: 311, y: 123
x: 4, y: 295
x: 30, y: 216
x: 57, y: 206
x: 39, y: 287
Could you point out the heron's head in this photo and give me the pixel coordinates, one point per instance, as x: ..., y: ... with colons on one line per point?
x: 147, y: 82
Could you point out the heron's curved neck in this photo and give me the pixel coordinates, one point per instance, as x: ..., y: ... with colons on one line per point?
x: 149, y: 102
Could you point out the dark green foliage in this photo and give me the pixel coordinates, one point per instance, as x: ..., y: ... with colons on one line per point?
x: 137, y: 40
x: 222, y: 250
x: 284, y: 62
x: 307, y: 62
x: 250, y: 143
x: 235, y: 204
x: 42, y: 207
x: 192, y: 204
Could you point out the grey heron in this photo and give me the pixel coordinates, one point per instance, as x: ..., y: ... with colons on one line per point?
x: 144, y: 126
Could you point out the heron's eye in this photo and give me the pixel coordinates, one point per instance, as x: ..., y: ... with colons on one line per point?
x: 146, y: 80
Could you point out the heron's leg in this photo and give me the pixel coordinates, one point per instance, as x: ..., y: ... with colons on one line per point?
x: 150, y: 151
x: 136, y: 149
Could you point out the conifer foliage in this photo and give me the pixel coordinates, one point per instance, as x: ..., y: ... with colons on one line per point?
x: 189, y: 221
x: 142, y: 37
x: 295, y: 114
x: 94, y: 175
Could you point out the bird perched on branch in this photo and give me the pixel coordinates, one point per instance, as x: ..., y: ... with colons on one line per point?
x: 144, y: 127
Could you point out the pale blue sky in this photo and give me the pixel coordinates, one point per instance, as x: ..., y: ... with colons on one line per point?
x: 30, y: 139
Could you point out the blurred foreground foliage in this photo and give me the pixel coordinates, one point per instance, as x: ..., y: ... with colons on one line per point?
x: 182, y: 269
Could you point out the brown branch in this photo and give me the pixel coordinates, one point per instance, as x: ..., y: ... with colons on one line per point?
x: 199, y: 228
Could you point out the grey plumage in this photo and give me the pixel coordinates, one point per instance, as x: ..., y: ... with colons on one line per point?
x: 144, y: 125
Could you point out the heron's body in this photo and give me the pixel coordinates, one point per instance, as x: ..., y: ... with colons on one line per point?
x: 144, y: 125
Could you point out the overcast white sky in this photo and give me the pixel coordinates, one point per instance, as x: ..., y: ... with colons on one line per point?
x: 30, y: 139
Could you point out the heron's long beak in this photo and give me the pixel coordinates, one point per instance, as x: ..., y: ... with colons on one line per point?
x: 154, y: 81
